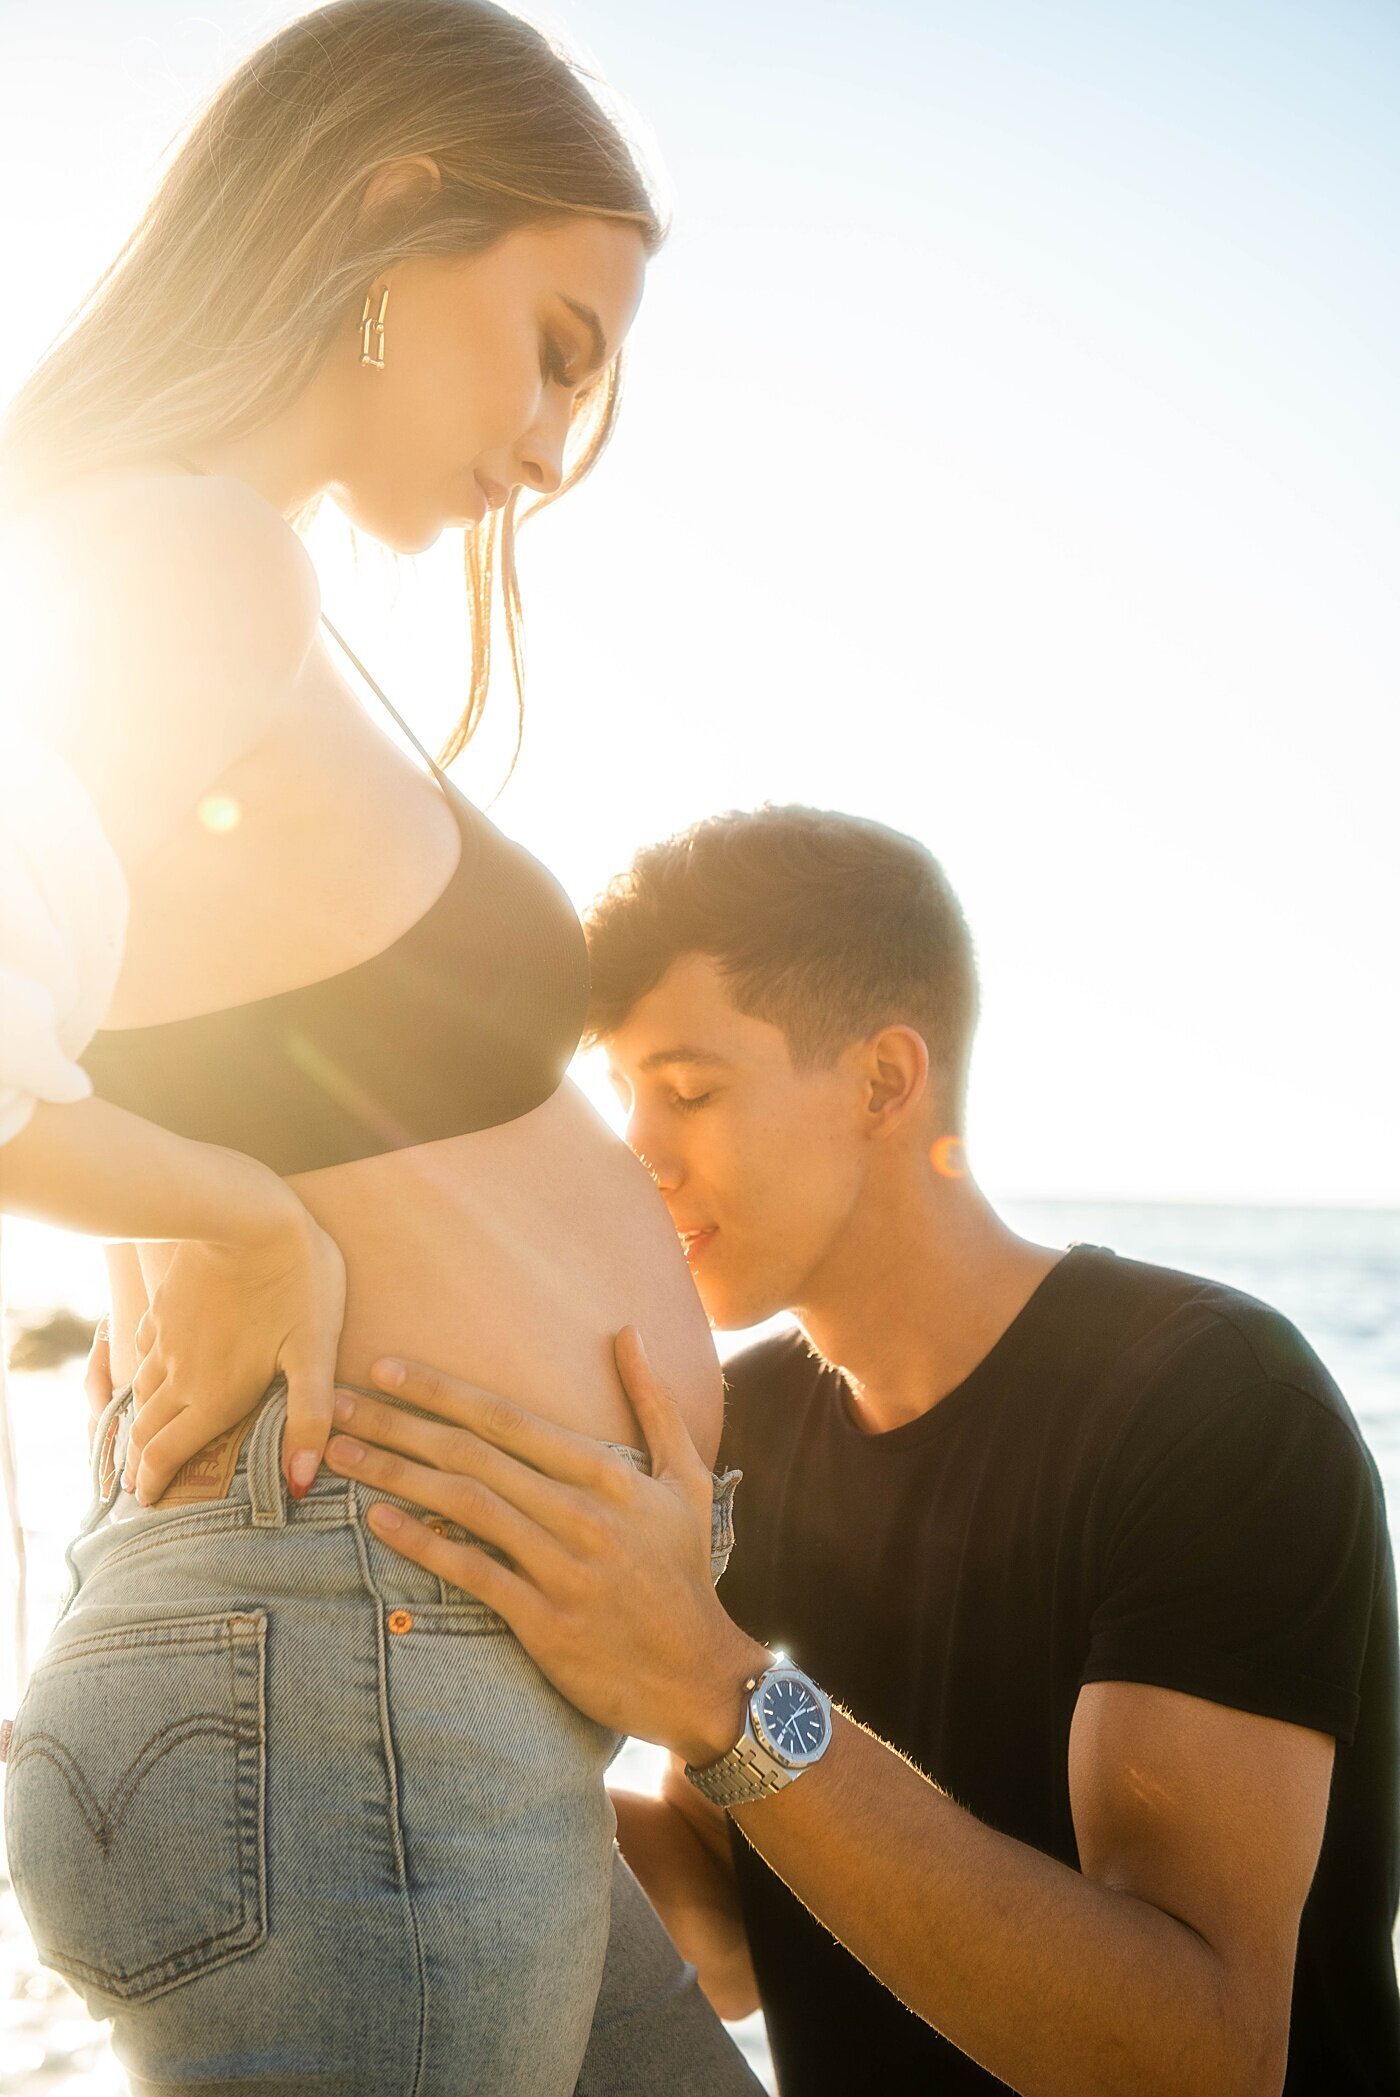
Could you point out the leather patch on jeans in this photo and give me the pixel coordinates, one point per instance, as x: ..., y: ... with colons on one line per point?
x: 209, y: 1473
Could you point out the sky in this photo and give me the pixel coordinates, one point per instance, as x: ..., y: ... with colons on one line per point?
x: 1010, y: 453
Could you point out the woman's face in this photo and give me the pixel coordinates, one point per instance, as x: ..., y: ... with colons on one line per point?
x: 484, y: 357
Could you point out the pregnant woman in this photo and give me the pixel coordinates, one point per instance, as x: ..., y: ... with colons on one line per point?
x: 294, y: 1814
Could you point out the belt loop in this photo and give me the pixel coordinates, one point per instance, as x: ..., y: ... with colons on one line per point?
x: 115, y: 1404
x: 267, y: 1488
x: 107, y: 1455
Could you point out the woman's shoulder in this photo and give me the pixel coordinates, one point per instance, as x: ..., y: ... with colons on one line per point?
x: 160, y: 624
x: 139, y: 540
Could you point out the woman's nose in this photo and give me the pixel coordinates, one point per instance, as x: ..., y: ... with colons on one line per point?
x: 542, y: 470
x: 541, y: 453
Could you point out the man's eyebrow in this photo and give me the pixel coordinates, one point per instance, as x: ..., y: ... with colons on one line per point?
x: 592, y: 323
x: 705, y: 1059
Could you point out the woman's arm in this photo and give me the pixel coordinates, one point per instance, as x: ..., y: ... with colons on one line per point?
x: 255, y: 1285
x: 94, y: 1168
x: 171, y: 621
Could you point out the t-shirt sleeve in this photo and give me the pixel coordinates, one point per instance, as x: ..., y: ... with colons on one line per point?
x: 1241, y: 1543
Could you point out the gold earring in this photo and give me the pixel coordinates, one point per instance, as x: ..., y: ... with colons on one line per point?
x: 372, y: 332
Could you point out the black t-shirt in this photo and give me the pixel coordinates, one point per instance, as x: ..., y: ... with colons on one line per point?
x: 1150, y: 1478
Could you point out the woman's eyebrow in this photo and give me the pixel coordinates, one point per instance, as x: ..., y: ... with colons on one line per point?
x: 594, y: 326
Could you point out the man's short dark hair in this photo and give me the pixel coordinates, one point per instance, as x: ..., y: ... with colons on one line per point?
x: 828, y: 926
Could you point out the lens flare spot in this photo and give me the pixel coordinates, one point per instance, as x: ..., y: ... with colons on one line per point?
x: 220, y: 812
x: 949, y: 1158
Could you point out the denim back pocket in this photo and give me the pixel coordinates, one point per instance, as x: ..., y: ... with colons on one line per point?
x: 134, y: 1801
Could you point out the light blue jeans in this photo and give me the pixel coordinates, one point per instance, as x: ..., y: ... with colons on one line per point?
x: 297, y: 1815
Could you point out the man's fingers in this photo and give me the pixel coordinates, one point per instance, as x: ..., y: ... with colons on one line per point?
x: 574, y: 1459
x: 462, y: 1500
x: 461, y: 1565
x: 457, y: 1449
x: 672, y: 1451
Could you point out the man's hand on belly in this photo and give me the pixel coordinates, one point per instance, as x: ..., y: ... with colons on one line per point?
x: 608, y: 1584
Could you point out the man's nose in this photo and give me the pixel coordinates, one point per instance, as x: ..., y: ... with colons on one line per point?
x: 659, y: 1159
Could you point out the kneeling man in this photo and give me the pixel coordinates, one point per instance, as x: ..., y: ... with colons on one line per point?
x: 1077, y: 1768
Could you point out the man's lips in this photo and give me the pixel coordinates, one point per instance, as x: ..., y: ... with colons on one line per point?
x: 693, y: 1243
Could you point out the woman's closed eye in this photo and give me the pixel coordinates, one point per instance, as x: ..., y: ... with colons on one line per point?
x: 556, y: 364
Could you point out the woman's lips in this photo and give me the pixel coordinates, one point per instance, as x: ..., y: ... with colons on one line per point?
x: 469, y: 504
x: 693, y: 1243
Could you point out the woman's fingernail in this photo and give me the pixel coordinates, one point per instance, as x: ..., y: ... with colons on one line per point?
x: 303, y: 1469
x: 344, y: 1408
x: 389, y: 1373
x: 344, y: 1450
x: 383, y: 1516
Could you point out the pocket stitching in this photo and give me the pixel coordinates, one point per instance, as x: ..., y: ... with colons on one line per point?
x: 214, y: 1634
x: 244, y: 1641
x: 105, y: 1826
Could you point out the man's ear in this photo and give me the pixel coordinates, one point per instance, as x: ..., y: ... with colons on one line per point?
x: 896, y: 1071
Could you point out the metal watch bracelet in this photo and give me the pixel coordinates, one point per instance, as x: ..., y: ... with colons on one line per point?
x: 751, y: 1770
x: 736, y: 1779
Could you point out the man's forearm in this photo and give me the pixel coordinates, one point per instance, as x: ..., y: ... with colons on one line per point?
x: 1051, y: 1981
x: 694, y: 1894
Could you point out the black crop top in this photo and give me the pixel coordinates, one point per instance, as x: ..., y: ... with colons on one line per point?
x: 468, y: 1020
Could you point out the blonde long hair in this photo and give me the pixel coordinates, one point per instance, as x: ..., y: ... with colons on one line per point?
x: 227, y: 295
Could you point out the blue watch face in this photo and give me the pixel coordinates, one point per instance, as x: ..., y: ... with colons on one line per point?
x: 791, y: 1717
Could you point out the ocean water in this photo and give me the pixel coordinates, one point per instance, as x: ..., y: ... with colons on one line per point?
x: 1335, y: 1272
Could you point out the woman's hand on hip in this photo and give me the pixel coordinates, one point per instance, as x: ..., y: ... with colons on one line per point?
x: 223, y: 1320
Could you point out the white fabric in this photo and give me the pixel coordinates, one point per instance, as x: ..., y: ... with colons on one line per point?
x: 63, y: 914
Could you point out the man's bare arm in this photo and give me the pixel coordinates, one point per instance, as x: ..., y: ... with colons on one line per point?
x: 1163, y: 1966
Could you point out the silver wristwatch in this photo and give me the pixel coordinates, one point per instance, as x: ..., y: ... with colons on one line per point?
x: 787, y: 1727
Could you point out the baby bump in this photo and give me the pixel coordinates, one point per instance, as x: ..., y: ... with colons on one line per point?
x: 275, y: 1793
x: 511, y: 1258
